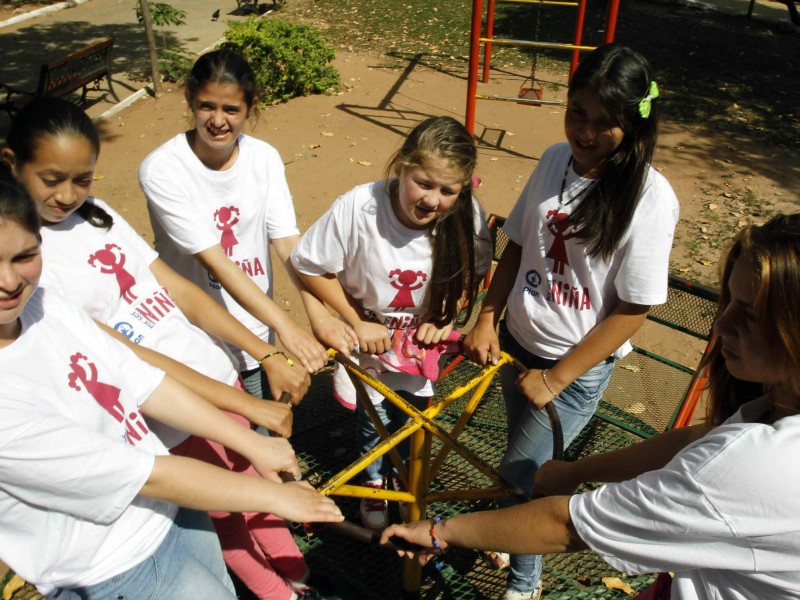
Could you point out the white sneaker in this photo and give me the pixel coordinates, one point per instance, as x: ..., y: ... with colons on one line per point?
x: 403, y: 507
x: 374, y: 513
x: 515, y: 595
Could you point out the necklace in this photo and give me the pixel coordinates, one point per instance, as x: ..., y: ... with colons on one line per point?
x: 561, y: 203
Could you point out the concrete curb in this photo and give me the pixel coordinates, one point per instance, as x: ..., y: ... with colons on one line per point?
x: 45, y: 10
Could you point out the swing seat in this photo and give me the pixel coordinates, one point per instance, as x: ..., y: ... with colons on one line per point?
x: 532, y: 92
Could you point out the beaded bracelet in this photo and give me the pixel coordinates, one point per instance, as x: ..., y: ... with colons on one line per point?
x: 547, y: 384
x: 432, y: 532
x: 289, y: 361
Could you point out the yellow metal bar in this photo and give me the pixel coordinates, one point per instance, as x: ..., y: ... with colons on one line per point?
x: 466, y: 415
x: 380, y: 428
x: 359, y: 491
x: 342, y: 477
x: 533, y: 44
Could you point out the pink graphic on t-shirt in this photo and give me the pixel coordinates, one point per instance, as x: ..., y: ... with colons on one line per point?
x: 106, y: 395
x: 225, y: 218
x: 112, y: 260
x: 557, y: 224
x: 405, y: 282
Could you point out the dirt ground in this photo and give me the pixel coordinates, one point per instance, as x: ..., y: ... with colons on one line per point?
x: 331, y: 143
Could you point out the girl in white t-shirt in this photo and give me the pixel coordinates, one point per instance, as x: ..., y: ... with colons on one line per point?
x: 590, y: 238
x: 87, y: 491
x: 714, y: 504
x: 99, y: 263
x: 218, y: 200
x: 397, y: 259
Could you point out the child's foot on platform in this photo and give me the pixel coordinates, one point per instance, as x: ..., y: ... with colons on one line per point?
x: 374, y: 513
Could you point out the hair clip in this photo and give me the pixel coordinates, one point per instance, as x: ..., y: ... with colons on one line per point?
x: 645, y: 103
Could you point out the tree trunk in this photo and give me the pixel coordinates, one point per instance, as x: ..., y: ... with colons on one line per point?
x: 151, y: 46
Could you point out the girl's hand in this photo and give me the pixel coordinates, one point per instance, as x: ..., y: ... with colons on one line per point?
x: 271, y: 456
x: 303, y: 346
x: 531, y: 384
x: 283, y: 377
x: 428, y: 333
x: 297, y: 501
x: 482, y: 345
x: 555, y: 478
x: 335, y: 333
x: 372, y: 337
x: 275, y: 416
x: 417, y: 533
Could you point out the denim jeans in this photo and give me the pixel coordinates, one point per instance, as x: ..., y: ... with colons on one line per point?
x: 256, y: 384
x: 393, y: 418
x: 531, y: 438
x: 188, y: 565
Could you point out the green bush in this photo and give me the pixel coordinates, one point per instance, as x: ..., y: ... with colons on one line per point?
x: 288, y: 59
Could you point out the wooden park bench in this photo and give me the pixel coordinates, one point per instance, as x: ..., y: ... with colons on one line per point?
x: 77, y: 70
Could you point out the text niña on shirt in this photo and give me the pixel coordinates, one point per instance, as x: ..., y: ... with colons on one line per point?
x: 559, y: 292
x: 251, y: 268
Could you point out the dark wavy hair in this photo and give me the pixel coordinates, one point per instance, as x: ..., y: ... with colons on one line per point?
x: 773, y: 252
x: 621, y: 78
x: 222, y: 66
x: 453, y: 238
x: 50, y: 118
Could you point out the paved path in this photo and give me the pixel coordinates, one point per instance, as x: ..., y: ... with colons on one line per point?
x: 26, y: 45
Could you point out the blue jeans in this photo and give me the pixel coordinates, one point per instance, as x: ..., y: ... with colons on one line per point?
x: 256, y: 384
x: 187, y: 565
x: 393, y: 418
x: 531, y: 438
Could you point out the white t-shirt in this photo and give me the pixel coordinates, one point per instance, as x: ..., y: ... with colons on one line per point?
x: 560, y: 293
x: 381, y: 263
x: 193, y: 208
x: 75, y: 451
x: 722, y: 515
x: 107, y: 274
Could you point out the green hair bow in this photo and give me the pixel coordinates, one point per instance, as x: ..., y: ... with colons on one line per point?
x: 645, y: 103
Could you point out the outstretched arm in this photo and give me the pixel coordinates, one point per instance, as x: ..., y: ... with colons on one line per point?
x: 560, y: 477
x: 329, y: 330
x: 599, y: 344
x: 275, y: 416
x: 371, y: 337
x: 212, y: 318
x: 195, y: 484
x: 297, y: 341
x: 177, y: 406
x: 542, y: 526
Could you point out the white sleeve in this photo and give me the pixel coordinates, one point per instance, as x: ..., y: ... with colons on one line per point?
x: 715, y: 505
x: 483, y: 241
x: 51, y: 461
x: 323, y: 248
x: 173, y: 209
x: 644, y: 255
x: 281, y: 218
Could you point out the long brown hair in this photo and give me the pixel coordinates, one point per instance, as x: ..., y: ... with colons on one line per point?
x: 773, y: 251
x: 621, y: 78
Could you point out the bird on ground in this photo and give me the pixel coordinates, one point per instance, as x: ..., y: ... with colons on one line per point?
x: 215, y: 15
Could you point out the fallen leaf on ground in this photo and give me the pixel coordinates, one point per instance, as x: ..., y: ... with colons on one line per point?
x: 631, y: 368
x: 314, y: 146
x: 615, y: 583
x: 365, y: 163
x: 326, y: 134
